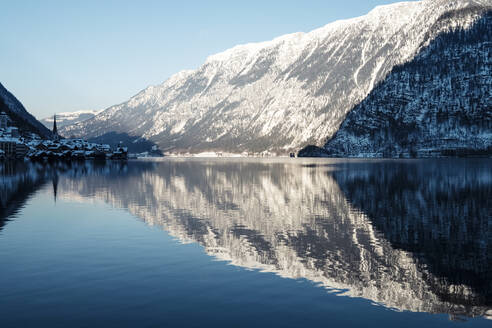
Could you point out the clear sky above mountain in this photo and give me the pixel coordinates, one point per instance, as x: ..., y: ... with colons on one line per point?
x: 59, y: 56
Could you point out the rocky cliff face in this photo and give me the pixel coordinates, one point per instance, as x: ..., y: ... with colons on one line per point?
x: 281, y: 95
x: 439, y: 104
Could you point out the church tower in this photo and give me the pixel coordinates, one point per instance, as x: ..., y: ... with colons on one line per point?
x: 55, y: 130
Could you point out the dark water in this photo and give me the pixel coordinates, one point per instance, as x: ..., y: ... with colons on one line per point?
x: 243, y: 243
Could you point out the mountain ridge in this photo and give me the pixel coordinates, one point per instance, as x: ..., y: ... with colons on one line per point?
x: 281, y: 95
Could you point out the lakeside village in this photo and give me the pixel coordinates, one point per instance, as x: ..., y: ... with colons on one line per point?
x: 13, y: 145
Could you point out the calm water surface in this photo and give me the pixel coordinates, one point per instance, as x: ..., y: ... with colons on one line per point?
x: 246, y: 243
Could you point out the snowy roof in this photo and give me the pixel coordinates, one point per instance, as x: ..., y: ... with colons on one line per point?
x: 9, y: 139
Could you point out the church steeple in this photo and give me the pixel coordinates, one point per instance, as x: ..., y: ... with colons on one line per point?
x: 55, y: 130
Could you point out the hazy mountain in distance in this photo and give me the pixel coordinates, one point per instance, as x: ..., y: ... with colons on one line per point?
x: 69, y: 118
x: 282, y: 95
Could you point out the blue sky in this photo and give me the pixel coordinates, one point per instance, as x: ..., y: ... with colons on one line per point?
x: 61, y: 56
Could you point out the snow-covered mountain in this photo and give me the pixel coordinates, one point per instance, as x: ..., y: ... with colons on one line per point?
x: 439, y: 104
x: 281, y: 95
x: 20, y: 117
x: 69, y: 118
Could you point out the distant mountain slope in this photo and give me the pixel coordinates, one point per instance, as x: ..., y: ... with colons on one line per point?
x: 69, y: 118
x: 281, y: 95
x: 438, y: 104
x: 18, y: 114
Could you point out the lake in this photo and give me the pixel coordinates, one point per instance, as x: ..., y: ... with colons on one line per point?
x: 246, y: 243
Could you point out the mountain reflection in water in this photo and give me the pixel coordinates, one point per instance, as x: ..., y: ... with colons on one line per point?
x: 410, y: 235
